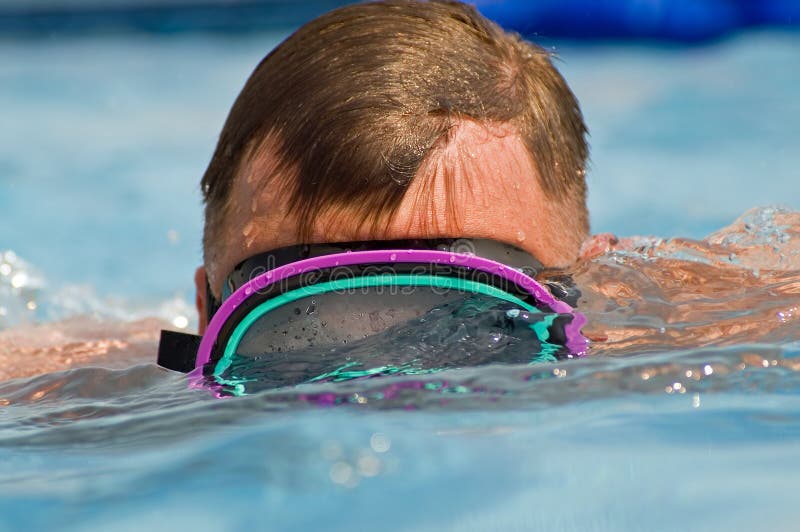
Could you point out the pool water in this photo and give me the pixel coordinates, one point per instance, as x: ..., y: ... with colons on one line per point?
x: 686, y: 414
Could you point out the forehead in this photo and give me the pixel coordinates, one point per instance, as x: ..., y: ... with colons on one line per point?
x: 479, y: 181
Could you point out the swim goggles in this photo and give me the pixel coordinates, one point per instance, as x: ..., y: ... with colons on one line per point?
x: 321, y: 295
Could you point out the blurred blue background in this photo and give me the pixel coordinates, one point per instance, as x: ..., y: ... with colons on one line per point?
x: 110, y: 111
x: 685, y: 20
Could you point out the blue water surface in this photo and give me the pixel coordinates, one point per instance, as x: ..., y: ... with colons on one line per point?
x: 558, y: 455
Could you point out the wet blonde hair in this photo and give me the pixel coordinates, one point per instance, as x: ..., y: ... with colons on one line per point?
x: 356, y: 100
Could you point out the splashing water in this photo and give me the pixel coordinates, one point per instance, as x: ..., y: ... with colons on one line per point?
x: 740, y: 285
x: 692, y: 386
x: 19, y: 289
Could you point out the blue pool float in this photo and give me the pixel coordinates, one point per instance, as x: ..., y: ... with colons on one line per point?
x: 682, y: 20
x: 676, y: 20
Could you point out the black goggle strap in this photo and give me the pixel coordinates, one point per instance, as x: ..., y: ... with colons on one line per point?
x: 243, y: 272
x: 178, y: 350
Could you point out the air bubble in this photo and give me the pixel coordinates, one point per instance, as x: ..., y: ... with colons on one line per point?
x: 380, y: 442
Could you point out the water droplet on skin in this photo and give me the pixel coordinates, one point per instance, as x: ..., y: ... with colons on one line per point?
x: 520, y: 236
x: 250, y: 232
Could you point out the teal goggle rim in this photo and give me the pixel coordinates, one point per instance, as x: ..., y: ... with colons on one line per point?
x: 384, y: 280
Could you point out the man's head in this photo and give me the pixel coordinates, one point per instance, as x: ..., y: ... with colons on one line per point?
x: 397, y: 120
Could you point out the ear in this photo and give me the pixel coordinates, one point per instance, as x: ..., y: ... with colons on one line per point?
x: 200, y: 283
